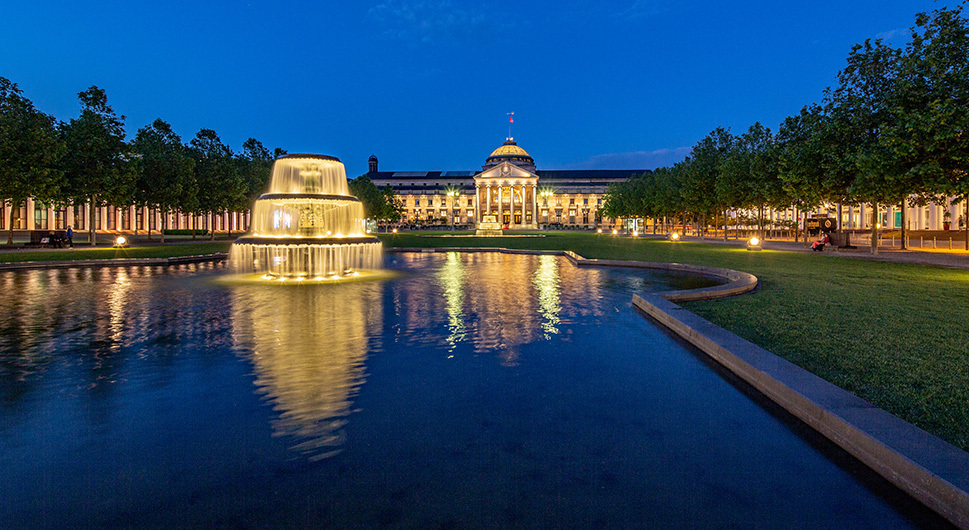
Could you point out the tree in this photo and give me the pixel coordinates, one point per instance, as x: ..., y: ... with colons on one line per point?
x: 699, y: 182
x: 219, y: 185
x: 860, y: 110
x: 377, y: 204
x: 95, y: 162
x: 30, y: 150
x: 931, y: 112
x: 166, y: 177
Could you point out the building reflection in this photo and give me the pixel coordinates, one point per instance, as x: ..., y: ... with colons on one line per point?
x: 308, y: 345
x: 494, y: 302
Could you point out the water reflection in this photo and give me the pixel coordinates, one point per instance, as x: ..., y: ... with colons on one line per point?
x: 307, y: 345
x: 495, y: 303
x: 546, y: 281
x: 452, y: 277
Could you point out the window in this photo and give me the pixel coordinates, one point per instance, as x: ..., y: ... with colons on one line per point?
x: 572, y: 201
x: 585, y: 202
x: 79, y: 219
x: 40, y: 216
x: 470, y: 202
x: 60, y: 219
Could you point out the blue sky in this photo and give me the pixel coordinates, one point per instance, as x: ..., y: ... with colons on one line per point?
x: 425, y: 84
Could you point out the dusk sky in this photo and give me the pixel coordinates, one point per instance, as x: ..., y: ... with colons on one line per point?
x: 425, y: 84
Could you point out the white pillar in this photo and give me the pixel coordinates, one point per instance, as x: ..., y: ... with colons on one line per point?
x: 488, y: 198
x: 477, y: 209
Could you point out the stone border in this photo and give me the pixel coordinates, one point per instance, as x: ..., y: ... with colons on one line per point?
x: 933, y: 471
x: 111, y: 262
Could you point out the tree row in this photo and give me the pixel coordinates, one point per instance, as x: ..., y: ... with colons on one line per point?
x: 88, y: 161
x: 892, y: 132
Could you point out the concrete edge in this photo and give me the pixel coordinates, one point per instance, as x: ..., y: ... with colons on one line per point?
x: 111, y: 262
x: 928, y: 468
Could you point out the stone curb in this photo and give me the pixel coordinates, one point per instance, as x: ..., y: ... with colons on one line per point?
x: 113, y: 262
x: 928, y: 468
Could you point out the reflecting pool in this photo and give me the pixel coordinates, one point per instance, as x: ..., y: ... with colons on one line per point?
x: 468, y: 390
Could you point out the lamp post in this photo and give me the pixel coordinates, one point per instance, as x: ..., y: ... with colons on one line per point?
x: 545, y: 194
x: 454, y: 197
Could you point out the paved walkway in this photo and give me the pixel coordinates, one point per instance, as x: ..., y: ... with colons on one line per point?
x: 953, y: 259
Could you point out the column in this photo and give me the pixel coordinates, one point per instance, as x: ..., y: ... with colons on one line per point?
x: 501, y: 207
x: 477, y: 210
x: 511, y: 204
x: 534, y: 204
x: 488, y: 198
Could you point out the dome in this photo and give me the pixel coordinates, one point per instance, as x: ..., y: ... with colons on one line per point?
x: 510, y: 148
x: 510, y: 152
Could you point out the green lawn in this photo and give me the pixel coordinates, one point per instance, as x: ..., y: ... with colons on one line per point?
x: 894, y: 334
x: 82, y: 252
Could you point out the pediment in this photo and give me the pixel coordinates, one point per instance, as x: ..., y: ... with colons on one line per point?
x: 505, y: 171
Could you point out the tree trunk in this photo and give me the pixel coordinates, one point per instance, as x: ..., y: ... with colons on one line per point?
x: 212, y: 226
x: 191, y: 224
x: 12, y: 206
x: 874, y: 228
x: 164, y: 223
x: 904, y: 228
x: 725, y: 224
x: 796, y: 225
x: 839, y: 216
x: 965, y: 218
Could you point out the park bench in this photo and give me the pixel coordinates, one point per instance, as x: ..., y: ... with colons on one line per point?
x: 47, y: 238
x: 840, y: 240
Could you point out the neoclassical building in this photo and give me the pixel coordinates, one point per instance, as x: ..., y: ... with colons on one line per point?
x: 508, y: 187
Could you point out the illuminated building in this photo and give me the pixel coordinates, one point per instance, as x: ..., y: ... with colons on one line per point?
x: 508, y: 186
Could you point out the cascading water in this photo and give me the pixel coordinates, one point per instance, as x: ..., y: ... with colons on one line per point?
x: 307, y: 226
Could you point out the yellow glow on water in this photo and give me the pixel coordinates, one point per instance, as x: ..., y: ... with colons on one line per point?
x: 546, y: 282
x: 452, y: 278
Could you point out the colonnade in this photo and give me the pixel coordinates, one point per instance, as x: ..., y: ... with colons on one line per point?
x: 527, y: 204
x: 37, y: 216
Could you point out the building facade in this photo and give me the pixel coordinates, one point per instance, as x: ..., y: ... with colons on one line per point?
x: 508, y: 186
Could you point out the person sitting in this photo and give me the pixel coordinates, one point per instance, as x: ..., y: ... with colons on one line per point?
x: 823, y: 239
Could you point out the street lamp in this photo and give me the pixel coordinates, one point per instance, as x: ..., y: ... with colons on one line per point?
x: 453, y: 193
x: 545, y: 194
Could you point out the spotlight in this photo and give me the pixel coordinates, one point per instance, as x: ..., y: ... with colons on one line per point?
x: 674, y: 236
x: 754, y: 243
x: 120, y: 241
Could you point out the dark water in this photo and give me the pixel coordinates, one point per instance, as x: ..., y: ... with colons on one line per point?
x: 476, y: 390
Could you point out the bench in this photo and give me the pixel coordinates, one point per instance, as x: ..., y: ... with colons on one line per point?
x: 47, y: 238
x: 841, y: 240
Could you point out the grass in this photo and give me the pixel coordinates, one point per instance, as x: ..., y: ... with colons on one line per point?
x: 895, y: 334
x: 153, y: 251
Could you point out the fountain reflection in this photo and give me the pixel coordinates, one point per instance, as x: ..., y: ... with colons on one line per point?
x: 308, y: 345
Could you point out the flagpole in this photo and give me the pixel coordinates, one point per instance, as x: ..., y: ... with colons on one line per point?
x: 510, y: 121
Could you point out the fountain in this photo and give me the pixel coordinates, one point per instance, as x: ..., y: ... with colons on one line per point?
x: 308, y: 226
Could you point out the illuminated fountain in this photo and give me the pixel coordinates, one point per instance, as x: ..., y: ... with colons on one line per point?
x: 308, y: 226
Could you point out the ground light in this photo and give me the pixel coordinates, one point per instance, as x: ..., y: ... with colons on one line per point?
x: 673, y: 236
x: 754, y: 243
x: 614, y: 232
x: 121, y: 241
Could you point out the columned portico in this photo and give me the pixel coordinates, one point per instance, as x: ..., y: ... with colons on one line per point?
x: 508, y: 177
